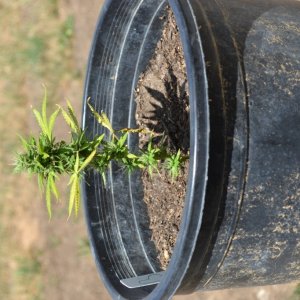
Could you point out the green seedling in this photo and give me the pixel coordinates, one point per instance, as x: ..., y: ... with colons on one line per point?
x: 48, y: 158
x: 174, y: 162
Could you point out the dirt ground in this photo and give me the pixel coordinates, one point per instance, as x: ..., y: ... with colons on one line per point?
x: 66, y: 270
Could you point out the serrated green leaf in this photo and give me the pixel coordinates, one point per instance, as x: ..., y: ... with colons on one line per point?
x: 40, y: 146
x: 149, y: 148
x: 106, y: 123
x: 77, y: 199
x: 131, y: 156
x: 45, y: 155
x: 74, y: 194
x: 100, y: 139
x: 40, y: 122
x: 53, y: 187
x: 122, y: 139
x: 77, y: 161
x: 72, y: 115
x: 71, y: 179
x: 48, y: 197
x: 53, y: 119
x: 25, y: 143
x: 87, y: 161
x: 103, y: 177
x: 69, y: 121
x: 178, y: 154
x: 136, y: 130
x: 101, y: 118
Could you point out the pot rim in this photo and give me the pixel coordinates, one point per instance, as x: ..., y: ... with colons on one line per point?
x: 199, y: 152
x: 199, y: 145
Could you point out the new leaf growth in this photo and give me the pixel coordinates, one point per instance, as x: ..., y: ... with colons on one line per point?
x: 48, y: 159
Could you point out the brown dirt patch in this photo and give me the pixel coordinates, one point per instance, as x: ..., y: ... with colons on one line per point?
x: 163, y: 106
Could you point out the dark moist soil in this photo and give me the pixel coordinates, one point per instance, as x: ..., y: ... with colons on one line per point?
x: 163, y: 106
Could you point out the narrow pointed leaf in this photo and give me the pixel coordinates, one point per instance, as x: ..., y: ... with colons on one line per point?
x: 72, y: 197
x: 101, y: 118
x: 132, y: 156
x: 69, y: 120
x: 74, y: 192
x: 103, y: 178
x: 87, y: 161
x: 77, y: 198
x: 122, y: 139
x: 106, y: 123
x: 44, y: 114
x: 76, y: 167
x: 136, y: 130
x: 53, y: 187
x: 53, y: 119
x: 71, y: 179
x: 48, y: 197
x: 72, y: 116
x: 100, y: 139
x: 40, y: 122
x: 25, y: 144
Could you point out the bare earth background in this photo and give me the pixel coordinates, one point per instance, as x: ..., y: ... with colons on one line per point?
x: 47, y: 42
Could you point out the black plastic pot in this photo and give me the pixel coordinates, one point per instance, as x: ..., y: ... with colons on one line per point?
x: 241, y: 222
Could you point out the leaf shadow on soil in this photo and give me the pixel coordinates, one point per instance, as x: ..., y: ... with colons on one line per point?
x: 164, y: 109
x: 170, y: 114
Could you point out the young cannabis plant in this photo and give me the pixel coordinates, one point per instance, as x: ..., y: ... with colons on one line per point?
x: 48, y: 158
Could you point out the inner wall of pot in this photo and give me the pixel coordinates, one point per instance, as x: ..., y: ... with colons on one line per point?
x: 119, y: 220
x: 130, y: 211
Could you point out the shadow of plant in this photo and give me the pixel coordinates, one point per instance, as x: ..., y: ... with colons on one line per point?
x: 170, y: 114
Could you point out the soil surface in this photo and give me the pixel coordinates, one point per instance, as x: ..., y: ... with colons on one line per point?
x: 163, y: 106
